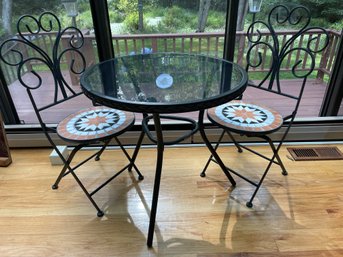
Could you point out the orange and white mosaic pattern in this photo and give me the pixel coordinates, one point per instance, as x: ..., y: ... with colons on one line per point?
x: 92, y: 123
x: 239, y: 115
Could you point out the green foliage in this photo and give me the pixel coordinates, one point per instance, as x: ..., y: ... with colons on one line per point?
x: 181, y: 3
x: 83, y: 5
x: 332, y: 14
x: 35, y: 7
x: 337, y: 25
x: 177, y: 15
x: 127, y: 6
x: 215, y: 20
x: 320, y: 22
x: 116, y: 16
x: 154, y: 12
x: 84, y: 20
x: 177, y: 19
x: 128, y: 10
x: 131, y: 24
x: 218, y: 5
x: 2, y: 34
x: 331, y: 10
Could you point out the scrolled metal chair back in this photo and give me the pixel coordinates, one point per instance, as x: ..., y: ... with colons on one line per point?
x: 28, y: 52
x: 300, y: 18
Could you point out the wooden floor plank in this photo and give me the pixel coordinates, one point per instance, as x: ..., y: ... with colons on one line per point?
x: 295, y: 215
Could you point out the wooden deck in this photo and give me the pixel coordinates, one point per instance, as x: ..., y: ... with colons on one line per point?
x: 309, y: 107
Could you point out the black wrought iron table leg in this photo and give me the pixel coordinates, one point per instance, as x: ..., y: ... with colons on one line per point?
x: 212, y: 150
x: 160, y: 149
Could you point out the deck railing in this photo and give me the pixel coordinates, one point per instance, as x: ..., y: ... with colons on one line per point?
x: 210, y: 44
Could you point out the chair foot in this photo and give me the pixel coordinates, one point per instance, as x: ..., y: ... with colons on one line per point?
x: 100, y: 214
x: 97, y: 158
x: 54, y: 187
x: 140, y: 177
x: 240, y: 150
x: 202, y: 174
x: 249, y: 204
x: 285, y: 173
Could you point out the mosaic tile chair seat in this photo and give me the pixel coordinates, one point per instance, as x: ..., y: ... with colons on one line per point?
x: 93, y: 126
x: 241, y: 118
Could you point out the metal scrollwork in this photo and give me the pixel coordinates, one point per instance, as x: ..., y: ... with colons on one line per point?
x: 27, y: 52
x: 280, y: 15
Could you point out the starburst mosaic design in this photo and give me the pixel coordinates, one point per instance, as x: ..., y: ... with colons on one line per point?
x: 243, y: 114
x: 95, y: 121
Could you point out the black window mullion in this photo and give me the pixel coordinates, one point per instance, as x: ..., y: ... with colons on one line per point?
x: 230, y: 29
x: 102, y: 29
x: 7, y: 107
x: 334, y: 94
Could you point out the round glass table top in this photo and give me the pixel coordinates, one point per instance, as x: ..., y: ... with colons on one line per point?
x: 163, y: 82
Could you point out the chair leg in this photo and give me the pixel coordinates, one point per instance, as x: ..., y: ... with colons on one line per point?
x: 138, y: 146
x: 203, y: 173
x: 100, y: 212
x: 66, y: 165
x: 239, y: 149
x: 284, y: 171
x: 249, y: 203
x: 97, y: 157
x: 277, y: 156
x: 70, y: 170
x: 132, y: 164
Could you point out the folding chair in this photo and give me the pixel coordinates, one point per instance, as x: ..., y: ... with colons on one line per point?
x: 90, y: 126
x: 250, y: 119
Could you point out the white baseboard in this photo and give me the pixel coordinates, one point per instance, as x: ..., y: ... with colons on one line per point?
x: 298, y: 133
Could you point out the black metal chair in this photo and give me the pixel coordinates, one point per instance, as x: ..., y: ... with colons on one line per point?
x: 254, y: 120
x: 90, y: 126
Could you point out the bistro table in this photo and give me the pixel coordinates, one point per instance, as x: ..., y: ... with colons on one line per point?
x: 165, y: 83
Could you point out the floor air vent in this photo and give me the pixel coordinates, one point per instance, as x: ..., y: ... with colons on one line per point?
x: 315, y: 153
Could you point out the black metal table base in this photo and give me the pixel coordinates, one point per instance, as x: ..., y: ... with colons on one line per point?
x: 160, y: 150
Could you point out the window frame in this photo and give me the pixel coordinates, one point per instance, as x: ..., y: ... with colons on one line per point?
x: 99, y: 9
x: 334, y: 95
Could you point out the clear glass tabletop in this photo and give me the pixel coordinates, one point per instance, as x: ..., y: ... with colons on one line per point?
x: 164, y: 82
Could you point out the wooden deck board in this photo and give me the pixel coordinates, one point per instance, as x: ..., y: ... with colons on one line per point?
x: 309, y: 107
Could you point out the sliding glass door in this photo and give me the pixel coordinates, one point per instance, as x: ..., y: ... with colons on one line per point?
x: 116, y: 28
x: 15, y: 103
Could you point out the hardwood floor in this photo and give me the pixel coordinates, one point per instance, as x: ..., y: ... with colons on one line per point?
x: 296, y: 215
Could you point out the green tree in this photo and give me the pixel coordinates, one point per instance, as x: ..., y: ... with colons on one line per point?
x: 204, y: 7
x: 134, y: 14
x: 35, y: 6
x: 7, y: 17
x: 331, y: 10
